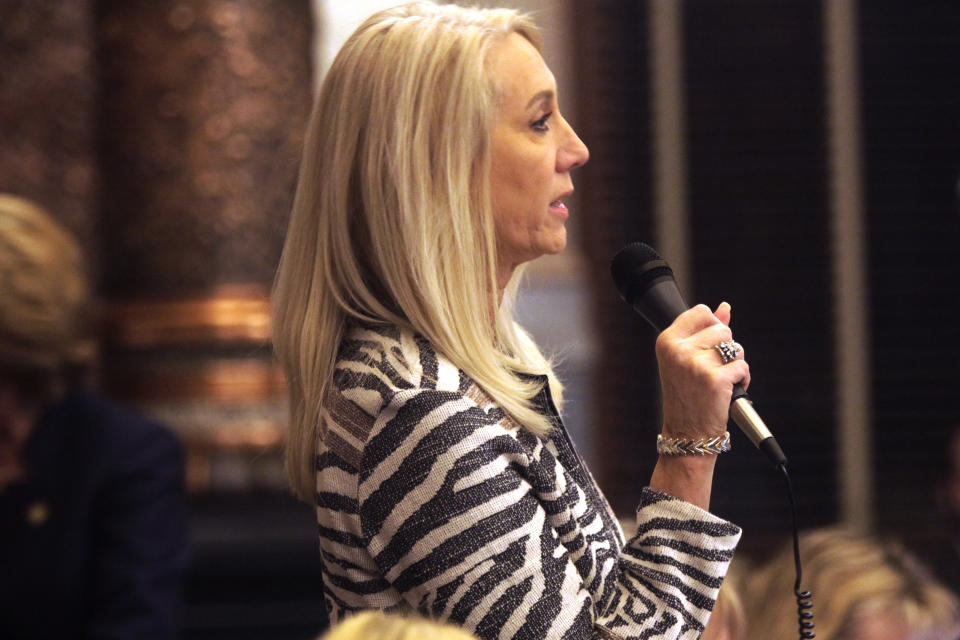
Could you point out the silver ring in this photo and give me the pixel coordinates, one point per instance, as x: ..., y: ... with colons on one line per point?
x: 729, y: 350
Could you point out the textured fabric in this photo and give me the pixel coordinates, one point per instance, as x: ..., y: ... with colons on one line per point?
x: 430, y: 499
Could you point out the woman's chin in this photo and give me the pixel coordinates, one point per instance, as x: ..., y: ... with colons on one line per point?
x: 560, y: 242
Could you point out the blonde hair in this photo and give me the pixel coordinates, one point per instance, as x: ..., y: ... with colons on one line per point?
x: 392, y: 220
x: 376, y: 625
x: 851, y: 577
x: 44, y: 296
x: 728, y: 619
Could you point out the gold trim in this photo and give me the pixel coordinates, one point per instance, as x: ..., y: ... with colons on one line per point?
x: 233, y: 317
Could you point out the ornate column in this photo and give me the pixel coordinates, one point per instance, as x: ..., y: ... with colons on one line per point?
x: 47, y: 91
x: 203, y: 107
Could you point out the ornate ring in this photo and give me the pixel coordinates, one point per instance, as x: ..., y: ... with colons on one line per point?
x: 729, y: 350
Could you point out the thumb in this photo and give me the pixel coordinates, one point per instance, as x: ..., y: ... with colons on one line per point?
x: 723, y: 313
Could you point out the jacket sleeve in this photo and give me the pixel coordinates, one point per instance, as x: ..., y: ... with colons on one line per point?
x: 473, y: 526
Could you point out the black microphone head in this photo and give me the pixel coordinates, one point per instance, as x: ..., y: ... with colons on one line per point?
x: 635, y: 268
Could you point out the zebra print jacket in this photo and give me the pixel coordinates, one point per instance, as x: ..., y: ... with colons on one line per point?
x: 430, y: 499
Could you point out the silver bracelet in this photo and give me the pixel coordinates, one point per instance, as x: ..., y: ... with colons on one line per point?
x: 699, y: 447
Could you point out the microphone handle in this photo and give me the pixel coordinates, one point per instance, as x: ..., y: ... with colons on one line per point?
x: 752, y: 425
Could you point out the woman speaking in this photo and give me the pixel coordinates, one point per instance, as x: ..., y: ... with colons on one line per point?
x: 424, y: 420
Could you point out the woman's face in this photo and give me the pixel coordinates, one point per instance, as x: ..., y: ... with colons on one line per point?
x: 533, y: 150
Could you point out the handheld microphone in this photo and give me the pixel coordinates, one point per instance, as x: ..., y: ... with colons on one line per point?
x: 645, y: 281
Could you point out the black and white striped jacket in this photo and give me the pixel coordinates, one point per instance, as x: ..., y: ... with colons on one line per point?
x: 430, y: 499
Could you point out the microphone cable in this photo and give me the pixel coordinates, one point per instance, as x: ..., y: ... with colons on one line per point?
x: 804, y: 598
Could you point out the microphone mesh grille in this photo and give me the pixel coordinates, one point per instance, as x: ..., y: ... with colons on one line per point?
x: 635, y: 267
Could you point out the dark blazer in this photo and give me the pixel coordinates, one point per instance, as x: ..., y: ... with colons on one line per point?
x: 93, y: 543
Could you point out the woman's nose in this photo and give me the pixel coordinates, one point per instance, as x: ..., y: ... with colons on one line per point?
x: 572, y: 152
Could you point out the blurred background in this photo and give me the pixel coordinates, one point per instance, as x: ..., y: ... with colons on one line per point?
x: 800, y: 160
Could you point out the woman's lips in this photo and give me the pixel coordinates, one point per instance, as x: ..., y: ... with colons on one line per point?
x: 559, y: 209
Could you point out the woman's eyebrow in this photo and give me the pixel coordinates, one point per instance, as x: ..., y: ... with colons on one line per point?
x: 546, y: 94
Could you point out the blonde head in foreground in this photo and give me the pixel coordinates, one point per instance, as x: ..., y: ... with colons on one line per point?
x: 862, y: 590
x: 393, y: 220
x: 376, y: 625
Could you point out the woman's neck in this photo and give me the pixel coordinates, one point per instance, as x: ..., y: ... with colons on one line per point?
x: 503, y: 279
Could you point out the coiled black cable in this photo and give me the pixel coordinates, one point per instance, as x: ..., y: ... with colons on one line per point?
x: 804, y: 598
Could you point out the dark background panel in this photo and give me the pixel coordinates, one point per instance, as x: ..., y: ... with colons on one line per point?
x: 757, y: 162
x: 910, y: 54
x: 255, y: 571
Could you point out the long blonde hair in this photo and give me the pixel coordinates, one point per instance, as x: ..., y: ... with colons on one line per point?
x: 851, y: 576
x: 392, y: 220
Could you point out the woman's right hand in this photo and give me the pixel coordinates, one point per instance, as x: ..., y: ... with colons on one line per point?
x: 697, y: 389
x: 697, y: 386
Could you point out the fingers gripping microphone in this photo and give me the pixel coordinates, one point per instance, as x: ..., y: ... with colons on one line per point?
x: 646, y: 282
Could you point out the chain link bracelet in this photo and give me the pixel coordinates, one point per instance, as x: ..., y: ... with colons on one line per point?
x: 699, y: 447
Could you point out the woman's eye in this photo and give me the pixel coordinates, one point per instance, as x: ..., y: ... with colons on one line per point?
x: 541, y: 124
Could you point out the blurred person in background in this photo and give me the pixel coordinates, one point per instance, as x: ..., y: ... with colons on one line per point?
x: 425, y: 425
x: 863, y: 589
x: 93, y: 536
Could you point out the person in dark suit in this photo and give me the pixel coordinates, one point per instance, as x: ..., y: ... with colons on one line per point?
x: 93, y: 522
